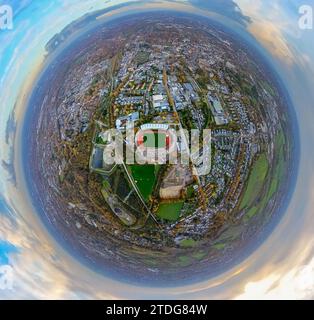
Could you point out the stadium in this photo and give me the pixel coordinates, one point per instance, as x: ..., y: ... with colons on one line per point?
x: 152, y: 138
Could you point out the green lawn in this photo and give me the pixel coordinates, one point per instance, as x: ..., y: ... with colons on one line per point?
x: 199, y: 255
x: 279, y: 172
x: 187, y: 243
x: 184, y: 261
x: 219, y: 246
x: 145, y: 178
x: 256, y: 181
x: 190, y: 192
x: 170, y: 211
x: 251, y: 213
x: 99, y: 140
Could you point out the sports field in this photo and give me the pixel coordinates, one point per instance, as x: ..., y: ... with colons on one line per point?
x: 145, y: 178
x: 170, y: 211
x: 154, y: 140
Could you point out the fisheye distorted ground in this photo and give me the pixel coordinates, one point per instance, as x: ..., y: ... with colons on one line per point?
x: 159, y: 72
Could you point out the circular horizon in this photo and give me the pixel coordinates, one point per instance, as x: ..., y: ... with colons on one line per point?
x: 156, y: 274
x: 269, y: 266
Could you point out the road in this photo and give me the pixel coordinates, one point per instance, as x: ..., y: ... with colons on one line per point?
x: 202, y: 194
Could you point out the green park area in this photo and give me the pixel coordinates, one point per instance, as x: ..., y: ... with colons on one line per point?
x: 279, y: 170
x: 255, y: 182
x: 219, y: 246
x: 280, y: 163
x: 145, y: 177
x: 170, y: 211
x: 188, y: 243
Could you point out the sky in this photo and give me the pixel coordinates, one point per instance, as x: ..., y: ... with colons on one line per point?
x: 282, y: 268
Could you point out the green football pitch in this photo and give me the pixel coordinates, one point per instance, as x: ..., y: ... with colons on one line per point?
x: 155, y: 140
x: 145, y: 178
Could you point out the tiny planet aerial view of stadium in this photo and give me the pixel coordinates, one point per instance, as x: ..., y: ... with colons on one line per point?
x: 113, y: 134
x: 156, y: 149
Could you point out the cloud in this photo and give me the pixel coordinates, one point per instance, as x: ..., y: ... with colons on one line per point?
x: 227, y: 8
x: 284, y: 265
x: 298, y: 283
x: 6, y: 248
x: 271, y: 37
